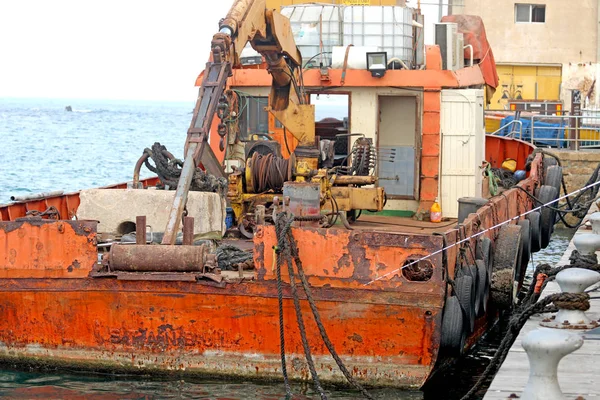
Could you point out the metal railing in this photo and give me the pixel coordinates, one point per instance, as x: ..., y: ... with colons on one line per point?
x: 573, y: 132
x: 513, y: 132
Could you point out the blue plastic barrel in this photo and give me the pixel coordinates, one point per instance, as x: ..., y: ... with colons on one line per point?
x: 229, y: 216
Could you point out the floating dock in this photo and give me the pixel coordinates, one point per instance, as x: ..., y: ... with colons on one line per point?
x: 578, y: 372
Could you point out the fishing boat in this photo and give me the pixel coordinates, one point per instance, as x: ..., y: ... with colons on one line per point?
x: 281, y: 241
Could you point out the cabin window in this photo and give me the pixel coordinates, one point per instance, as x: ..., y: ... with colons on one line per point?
x: 253, y: 117
x: 331, y: 119
x: 397, y: 135
x: 535, y: 13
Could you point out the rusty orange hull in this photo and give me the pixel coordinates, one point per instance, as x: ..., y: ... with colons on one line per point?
x: 385, y: 327
x: 110, y: 324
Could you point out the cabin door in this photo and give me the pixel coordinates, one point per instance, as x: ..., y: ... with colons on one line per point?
x: 397, y: 133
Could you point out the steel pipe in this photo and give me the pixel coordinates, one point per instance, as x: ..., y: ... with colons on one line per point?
x: 140, y: 229
x: 146, y: 258
x: 188, y: 231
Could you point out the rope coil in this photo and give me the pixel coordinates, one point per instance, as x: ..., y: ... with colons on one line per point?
x: 287, y: 251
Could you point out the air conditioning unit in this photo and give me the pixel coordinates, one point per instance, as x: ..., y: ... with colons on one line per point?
x: 446, y: 36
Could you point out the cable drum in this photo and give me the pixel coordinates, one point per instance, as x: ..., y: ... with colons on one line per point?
x: 268, y: 172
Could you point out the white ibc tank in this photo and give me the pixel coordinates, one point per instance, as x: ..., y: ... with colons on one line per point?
x: 316, y: 29
x: 389, y: 28
x: 320, y: 28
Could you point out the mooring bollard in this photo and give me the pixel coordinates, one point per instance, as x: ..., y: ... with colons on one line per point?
x: 545, y: 348
x: 587, y: 243
x: 573, y: 280
x: 595, y: 222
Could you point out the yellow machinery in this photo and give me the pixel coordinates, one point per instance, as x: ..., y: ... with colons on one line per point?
x: 306, y: 182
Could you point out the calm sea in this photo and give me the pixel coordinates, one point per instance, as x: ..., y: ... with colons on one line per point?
x: 45, y: 148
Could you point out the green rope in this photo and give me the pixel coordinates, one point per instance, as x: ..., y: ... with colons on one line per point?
x: 492, y: 180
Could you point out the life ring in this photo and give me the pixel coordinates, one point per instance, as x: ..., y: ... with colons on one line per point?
x: 546, y: 194
x: 453, y: 334
x: 506, y: 256
x: 535, y: 228
x: 466, y: 297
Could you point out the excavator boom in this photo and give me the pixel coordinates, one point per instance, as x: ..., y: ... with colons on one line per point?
x: 270, y: 34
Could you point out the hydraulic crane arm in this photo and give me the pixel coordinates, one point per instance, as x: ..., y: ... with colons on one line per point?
x: 270, y: 34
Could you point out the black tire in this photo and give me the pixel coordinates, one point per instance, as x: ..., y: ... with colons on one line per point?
x: 506, y: 257
x: 546, y: 194
x: 535, y: 228
x: 526, y: 250
x: 554, y: 176
x: 453, y: 332
x: 484, y: 252
x: 466, y: 297
x: 475, y: 288
x: 483, y: 289
x: 548, y: 161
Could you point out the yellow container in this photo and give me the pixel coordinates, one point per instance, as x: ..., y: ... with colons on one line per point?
x: 510, y: 165
x: 435, y: 212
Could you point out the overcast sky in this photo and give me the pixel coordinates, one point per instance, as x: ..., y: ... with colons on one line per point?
x: 109, y: 49
x: 126, y: 49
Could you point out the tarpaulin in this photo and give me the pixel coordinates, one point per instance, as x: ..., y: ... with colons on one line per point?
x: 471, y: 26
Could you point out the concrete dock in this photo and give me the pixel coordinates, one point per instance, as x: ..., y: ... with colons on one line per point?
x: 578, y: 372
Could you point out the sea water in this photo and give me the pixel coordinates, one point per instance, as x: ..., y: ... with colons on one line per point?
x: 45, y: 148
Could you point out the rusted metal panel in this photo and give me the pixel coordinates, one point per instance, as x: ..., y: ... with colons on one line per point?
x: 148, y: 258
x: 192, y: 328
x: 350, y: 259
x: 39, y: 248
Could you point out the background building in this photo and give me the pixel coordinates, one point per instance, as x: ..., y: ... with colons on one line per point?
x: 544, y: 49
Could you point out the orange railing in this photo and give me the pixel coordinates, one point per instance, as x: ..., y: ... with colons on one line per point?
x: 66, y: 204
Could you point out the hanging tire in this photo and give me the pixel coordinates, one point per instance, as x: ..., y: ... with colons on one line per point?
x: 483, y: 288
x: 506, y: 257
x: 548, y: 161
x: 466, y: 297
x: 526, y: 250
x: 474, y: 273
x: 484, y: 252
x: 453, y: 332
x: 554, y: 175
x: 535, y: 228
x: 546, y: 194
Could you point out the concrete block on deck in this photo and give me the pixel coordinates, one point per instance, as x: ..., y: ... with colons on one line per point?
x: 116, y: 209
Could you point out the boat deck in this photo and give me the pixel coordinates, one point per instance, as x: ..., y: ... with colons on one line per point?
x: 401, y: 225
x: 578, y: 372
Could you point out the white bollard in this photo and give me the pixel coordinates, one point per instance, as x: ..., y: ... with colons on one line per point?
x: 587, y: 243
x: 545, y: 348
x: 595, y: 222
x: 573, y: 280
